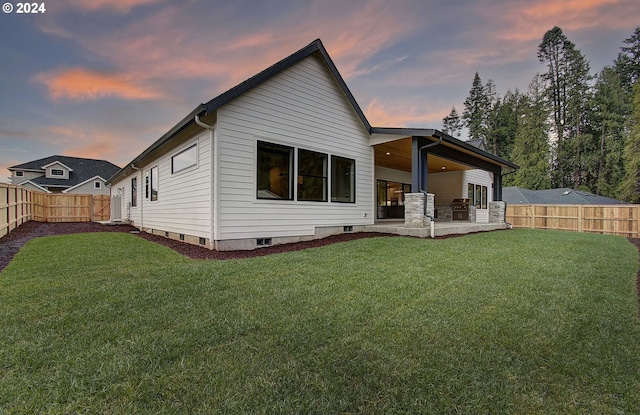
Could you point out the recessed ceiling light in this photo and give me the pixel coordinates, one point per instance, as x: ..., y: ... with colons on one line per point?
x: 388, y: 154
x: 444, y: 168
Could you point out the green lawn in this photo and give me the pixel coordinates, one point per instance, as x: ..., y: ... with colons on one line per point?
x: 512, y: 322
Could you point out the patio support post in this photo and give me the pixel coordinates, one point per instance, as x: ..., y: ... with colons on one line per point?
x: 418, y: 165
x: 497, y: 184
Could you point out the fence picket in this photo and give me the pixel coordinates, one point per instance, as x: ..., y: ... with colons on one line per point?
x: 19, y: 205
x: 622, y: 220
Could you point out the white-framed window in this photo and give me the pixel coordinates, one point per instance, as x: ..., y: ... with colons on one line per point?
x: 477, y: 195
x: 154, y: 183
x: 185, y: 159
x: 19, y: 174
x: 57, y: 172
x: 97, y: 185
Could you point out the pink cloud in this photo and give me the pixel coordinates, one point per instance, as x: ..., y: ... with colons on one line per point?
x: 380, y: 115
x: 527, y: 21
x: 120, y: 6
x: 79, y: 84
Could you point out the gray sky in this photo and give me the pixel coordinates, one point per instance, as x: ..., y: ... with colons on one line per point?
x: 106, y: 78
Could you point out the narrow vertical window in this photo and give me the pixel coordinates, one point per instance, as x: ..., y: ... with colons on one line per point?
x: 134, y: 191
x: 275, y: 172
x: 154, y: 183
x: 146, y: 184
x: 484, y: 197
x: 312, y: 176
x: 471, y: 193
x: 343, y: 180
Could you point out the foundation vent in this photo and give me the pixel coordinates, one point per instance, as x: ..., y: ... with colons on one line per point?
x: 264, y: 241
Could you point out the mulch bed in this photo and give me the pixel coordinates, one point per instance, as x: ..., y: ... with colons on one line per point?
x: 10, y: 244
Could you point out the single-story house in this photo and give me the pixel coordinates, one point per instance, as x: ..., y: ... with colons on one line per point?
x: 288, y: 155
x: 514, y: 195
x: 64, y: 174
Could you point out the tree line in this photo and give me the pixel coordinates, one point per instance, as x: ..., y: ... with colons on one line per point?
x: 571, y: 128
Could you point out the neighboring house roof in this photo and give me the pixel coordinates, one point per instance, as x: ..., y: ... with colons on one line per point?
x: 315, y: 47
x: 81, y: 170
x: 478, y: 143
x: 563, y: 196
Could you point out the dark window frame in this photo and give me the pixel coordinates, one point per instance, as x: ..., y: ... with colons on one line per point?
x: 351, y: 196
x: 264, y: 148
x: 134, y: 191
x: 307, y: 176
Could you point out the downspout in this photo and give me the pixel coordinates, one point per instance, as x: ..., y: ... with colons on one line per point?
x: 424, y: 191
x: 141, y: 199
x: 214, y: 188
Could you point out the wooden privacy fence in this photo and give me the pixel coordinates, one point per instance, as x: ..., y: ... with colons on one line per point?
x: 15, y: 207
x: 56, y: 207
x: 622, y: 220
x: 19, y: 205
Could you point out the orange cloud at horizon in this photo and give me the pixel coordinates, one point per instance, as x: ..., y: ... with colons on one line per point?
x: 81, y: 84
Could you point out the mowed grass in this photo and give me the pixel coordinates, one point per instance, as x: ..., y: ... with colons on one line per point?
x: 511, y: 322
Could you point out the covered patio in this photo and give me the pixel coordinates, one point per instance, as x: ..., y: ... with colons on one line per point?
x: 439, y: 168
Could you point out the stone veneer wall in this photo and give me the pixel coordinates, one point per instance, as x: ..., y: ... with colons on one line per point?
x: 497, y: 212
x: 414, y: 209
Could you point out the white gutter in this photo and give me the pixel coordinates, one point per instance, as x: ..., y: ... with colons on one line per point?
x: 215, y: 200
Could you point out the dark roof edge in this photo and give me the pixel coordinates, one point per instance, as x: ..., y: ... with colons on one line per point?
x: 184, y: 123
x: 430, y: 132
x: 241, y: 88
x: 259, y: 78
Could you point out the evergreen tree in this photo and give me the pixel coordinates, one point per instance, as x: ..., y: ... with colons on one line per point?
x: 567, y: 80
x: 452, y: 124
x: 476, y: 108
x: 630, y: 187
x: 628, y: 62
x: 503, y: 123
x: 609, y: 108
x: 531, y: 146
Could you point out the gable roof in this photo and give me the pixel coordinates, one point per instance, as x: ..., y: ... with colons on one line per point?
x: 315, y: 47
x: 563, y: 196
x: 80, y: 170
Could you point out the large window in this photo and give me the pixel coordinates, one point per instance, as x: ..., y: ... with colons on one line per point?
x: 154, y: 183
x: 312, y: 176
x: 134, y: 191
x: 275, y: 172
x: 184, y: 159
x: 343, y: 184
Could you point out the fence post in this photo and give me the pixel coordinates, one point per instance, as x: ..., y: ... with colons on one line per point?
x: 533, y: 216
x: 580, y: 216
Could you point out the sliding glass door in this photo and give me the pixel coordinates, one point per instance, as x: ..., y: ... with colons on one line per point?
x: 391, y: 199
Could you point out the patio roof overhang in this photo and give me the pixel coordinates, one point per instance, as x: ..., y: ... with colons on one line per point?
x: 423, y: 151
